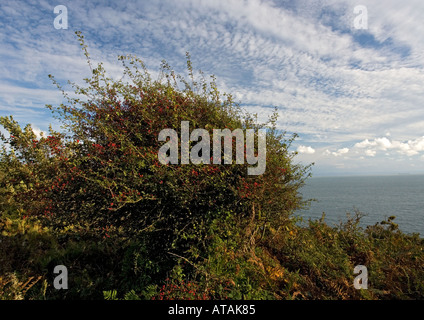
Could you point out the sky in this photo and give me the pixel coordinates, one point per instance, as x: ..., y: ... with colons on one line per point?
x: 346, y: 76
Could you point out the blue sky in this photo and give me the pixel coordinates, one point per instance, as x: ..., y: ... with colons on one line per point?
x: 354, y: 96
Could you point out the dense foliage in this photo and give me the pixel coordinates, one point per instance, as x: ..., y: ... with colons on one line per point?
x: 96, y: 199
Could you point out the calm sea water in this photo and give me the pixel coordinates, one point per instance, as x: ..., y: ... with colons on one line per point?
x: 377, y: 196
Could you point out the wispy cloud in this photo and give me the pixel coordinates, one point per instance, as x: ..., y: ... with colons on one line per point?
x: 334, y: 85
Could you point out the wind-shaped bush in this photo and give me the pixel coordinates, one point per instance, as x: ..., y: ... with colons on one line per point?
x: 102, y: 175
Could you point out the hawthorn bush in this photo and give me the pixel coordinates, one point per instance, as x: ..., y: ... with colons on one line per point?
x: 100, y: 179
x: 96, y: 199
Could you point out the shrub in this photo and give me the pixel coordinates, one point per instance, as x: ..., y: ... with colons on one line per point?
x: 102, y: 177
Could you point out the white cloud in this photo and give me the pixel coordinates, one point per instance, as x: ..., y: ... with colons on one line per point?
x: 370, y: 153
x: 336, y: 153
x: 38, y: 132
x: 340, y: 152
x: 304, y: 149
x: 378, y: 143
x: 408, y: 148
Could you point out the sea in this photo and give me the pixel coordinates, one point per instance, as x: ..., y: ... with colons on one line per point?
x: 378, y: 197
